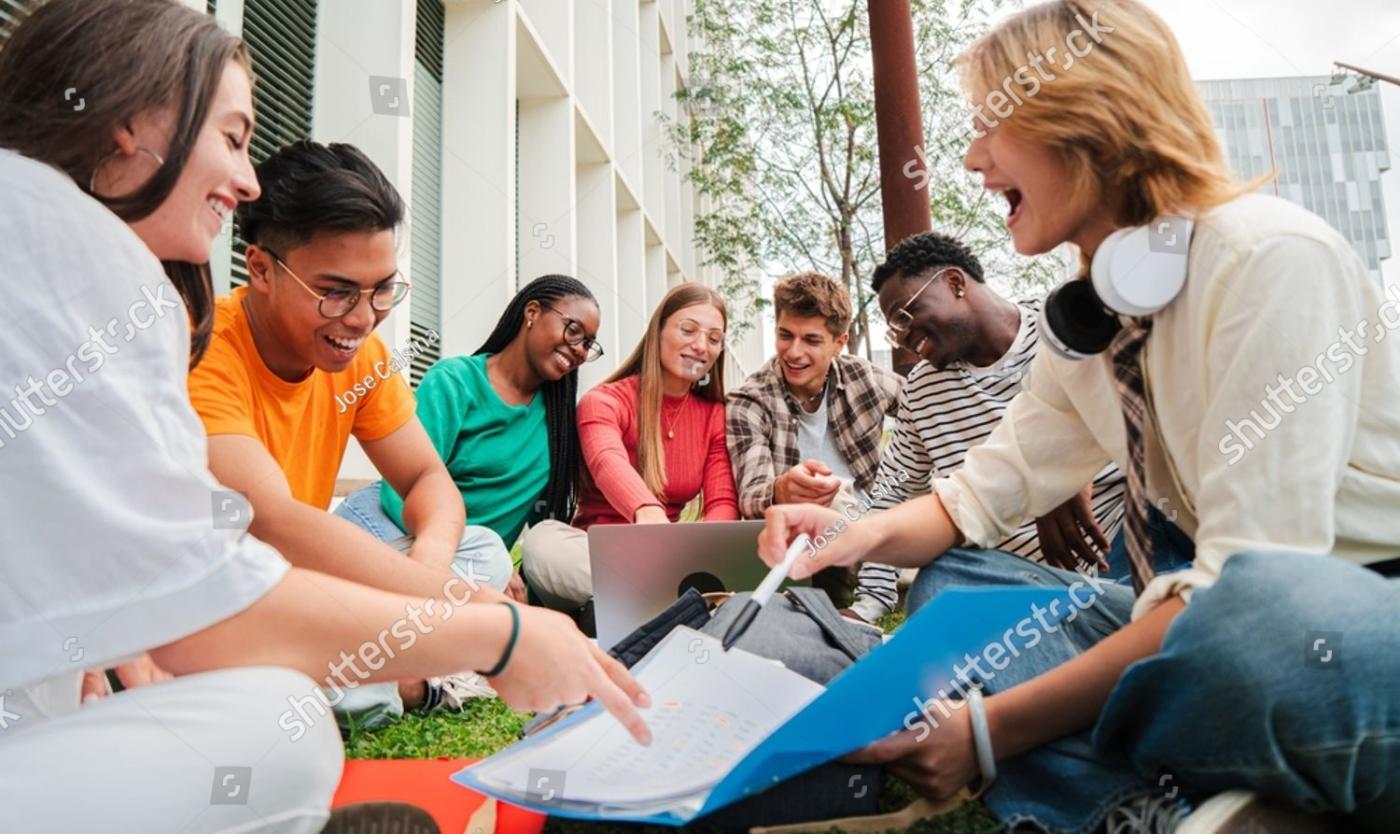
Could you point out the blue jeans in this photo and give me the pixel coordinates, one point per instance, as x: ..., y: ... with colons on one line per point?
x: 1172, y: 549
x: 1242, y: 694
x: 481, y: 557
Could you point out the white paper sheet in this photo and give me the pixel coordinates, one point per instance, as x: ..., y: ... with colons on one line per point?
x: 709, y: 709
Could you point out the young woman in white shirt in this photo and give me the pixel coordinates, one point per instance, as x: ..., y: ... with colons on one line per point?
x: 124, y: 130
x: 1264, y: 681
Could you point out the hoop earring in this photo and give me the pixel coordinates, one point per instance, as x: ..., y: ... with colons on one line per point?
x: 92, y: 180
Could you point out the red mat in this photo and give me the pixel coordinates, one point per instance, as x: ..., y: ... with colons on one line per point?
x: 428, y: 784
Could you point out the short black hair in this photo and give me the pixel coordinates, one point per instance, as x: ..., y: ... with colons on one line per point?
x: 310, y: 189
x: 917, y: 254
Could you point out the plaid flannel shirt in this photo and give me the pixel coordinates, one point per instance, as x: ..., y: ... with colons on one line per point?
x: 761, y: 425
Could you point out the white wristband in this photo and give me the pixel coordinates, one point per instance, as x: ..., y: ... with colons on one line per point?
x: 981, y: 739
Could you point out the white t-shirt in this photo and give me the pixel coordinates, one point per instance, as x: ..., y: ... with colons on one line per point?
x: 815, y: 441
x: 1275, y: 300
x: 112, y: 540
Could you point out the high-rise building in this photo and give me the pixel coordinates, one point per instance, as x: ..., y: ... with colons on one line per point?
x: 1325, y: 141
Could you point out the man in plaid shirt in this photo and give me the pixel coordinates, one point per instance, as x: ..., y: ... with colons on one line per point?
x: 807, y: 426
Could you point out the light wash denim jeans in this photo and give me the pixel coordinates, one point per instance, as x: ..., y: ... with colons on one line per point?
x: 1283, y: 677
x: 481, y: 557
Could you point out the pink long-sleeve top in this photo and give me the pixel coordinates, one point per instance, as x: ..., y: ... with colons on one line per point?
x: 696, y: 458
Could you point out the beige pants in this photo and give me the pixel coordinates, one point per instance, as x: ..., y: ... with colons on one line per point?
x: 554, y: 560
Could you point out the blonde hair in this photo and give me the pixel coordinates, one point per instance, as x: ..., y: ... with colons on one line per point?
x: 1125, y: 117
x: 645, y: 363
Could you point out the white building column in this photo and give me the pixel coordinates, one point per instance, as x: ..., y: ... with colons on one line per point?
x: 363, y: 93
x: 478, y: 170
x: 633, y: 305
x: 597, y: 259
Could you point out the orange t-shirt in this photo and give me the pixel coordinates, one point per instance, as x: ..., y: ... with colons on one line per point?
x: 304, y: 425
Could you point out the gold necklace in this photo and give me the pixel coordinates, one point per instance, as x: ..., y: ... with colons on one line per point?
x: 671, y: 429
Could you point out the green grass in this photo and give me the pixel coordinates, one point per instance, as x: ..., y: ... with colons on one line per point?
x: 485, y: 727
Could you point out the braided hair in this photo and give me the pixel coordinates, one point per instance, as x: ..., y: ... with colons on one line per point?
x: 560, y: 397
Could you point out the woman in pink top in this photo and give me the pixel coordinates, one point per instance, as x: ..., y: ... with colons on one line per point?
x: 653, y: 438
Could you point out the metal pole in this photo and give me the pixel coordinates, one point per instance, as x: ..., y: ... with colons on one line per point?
x: 900, y: 130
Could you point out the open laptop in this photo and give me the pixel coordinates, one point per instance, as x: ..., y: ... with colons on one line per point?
x: 640, y: 569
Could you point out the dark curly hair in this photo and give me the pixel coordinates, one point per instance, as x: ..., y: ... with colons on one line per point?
x: 560, y: 397
x: 309, y: 188
x: 917, y: 254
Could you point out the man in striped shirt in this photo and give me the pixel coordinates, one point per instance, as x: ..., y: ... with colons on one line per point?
x: 975, y: 348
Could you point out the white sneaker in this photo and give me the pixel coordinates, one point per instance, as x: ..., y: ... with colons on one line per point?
x: 1157, y: 814
x: 1245, y: 812
x: 452, y: 692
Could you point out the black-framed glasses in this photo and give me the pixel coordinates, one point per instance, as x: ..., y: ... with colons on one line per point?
x: 576, y: 336
x: 898, y: 323
x: 342, y: 301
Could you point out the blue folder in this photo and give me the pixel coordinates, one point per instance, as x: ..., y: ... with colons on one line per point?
x: 867, y: 702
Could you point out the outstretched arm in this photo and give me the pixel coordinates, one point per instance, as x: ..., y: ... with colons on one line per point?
x: 330, y: 628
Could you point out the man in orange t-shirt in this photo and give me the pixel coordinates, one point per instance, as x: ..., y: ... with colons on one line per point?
x: 294, y: 369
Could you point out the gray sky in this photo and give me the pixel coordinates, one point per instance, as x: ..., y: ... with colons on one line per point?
x: 1270, y: 38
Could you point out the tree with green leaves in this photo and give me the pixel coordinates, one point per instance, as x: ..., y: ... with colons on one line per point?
x: 778, y: 125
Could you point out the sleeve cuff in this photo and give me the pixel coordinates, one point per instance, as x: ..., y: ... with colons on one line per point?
x: 1181, y: 583
x: 757, y: 500
x: 974, y: 527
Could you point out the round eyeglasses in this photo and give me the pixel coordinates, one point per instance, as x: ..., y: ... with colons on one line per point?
x: 340, y: 302
x: 898, y: 323
x: 576, y: 336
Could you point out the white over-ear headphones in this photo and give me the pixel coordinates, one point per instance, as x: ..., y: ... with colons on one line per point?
x: 1135, y: 272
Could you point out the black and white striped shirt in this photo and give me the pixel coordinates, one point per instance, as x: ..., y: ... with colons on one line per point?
x: 943, y: 414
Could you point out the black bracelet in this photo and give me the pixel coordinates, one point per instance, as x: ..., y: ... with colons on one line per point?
x: 510, y: 645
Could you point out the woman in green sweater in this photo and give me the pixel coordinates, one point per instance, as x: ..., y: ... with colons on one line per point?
x: 503, y: 421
